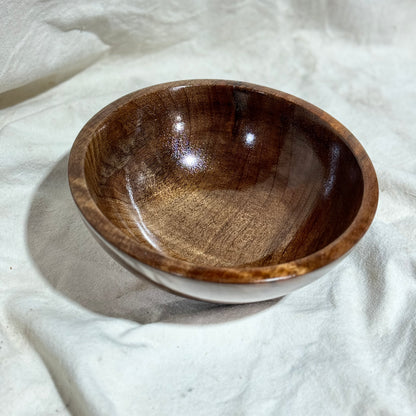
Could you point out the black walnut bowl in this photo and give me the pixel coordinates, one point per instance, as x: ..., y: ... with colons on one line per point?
x: 222, y: 191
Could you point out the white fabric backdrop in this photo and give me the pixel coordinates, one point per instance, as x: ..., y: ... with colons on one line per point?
x: 80, y: 335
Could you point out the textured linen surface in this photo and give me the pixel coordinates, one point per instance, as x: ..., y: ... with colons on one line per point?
x: 80, y: 335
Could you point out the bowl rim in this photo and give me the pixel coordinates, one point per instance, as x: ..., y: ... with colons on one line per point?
x: 282, y: 271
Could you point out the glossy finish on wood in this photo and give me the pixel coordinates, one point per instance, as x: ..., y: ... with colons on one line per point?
x: 225, y: 183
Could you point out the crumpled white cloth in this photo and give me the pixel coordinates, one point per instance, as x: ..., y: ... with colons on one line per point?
x: 80, y: 335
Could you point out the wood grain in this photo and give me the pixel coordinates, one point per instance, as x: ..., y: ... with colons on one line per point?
x: 223, y: 181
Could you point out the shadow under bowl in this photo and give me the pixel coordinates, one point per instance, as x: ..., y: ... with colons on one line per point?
x: 222, y: 191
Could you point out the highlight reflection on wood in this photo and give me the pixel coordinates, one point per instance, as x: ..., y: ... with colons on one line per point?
x: 223, y: 181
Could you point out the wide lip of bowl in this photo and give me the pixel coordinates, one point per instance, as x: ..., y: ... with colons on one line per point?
x: 115, y: 237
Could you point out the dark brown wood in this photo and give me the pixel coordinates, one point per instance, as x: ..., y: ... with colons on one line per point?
x: 223, y: 181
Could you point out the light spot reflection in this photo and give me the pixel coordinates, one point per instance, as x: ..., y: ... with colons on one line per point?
x: 186, y: 155
x: 179, y: 126
x: 190, y: 161
x: 333, y: 164
x: 250, y: 139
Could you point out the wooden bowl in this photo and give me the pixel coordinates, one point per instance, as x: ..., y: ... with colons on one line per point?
x: 222, y: 191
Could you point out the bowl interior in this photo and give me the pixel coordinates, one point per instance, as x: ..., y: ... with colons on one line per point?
x: 223, y: 176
